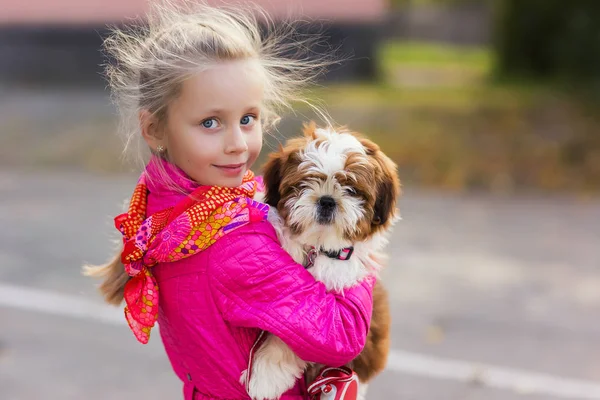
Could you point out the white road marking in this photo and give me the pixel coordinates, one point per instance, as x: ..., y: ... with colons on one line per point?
x: 520, y: 381
x: 59, y: 304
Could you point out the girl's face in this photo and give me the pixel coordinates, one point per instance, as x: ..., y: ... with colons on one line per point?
x: 213, y: 130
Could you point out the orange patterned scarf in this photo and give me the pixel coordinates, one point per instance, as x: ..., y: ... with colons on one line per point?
x: 192, y: 225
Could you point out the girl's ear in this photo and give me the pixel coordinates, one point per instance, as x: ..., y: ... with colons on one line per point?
x: 150, y: 129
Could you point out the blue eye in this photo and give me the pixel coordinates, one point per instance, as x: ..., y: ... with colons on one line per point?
x: 247, y: 119
x: 210, y: 123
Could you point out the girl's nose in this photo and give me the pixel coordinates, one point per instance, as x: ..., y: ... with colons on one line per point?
x: 235, y: 141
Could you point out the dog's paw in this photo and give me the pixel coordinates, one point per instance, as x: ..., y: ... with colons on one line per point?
x: 270, y: 383
x: 264, y: 389
x: 275, y: 370
x: 269, y: 390
x: 362, y: 391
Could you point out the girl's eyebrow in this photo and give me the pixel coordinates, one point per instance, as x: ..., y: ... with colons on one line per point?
x: 218, y: 111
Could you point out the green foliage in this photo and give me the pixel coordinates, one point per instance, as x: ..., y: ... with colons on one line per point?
x: 394, y: 53
x: 548, y: 39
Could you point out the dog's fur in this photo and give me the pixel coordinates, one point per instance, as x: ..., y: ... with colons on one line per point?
x: 354, y: 174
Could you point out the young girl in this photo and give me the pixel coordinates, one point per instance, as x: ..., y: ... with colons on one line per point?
x: 199, y: 256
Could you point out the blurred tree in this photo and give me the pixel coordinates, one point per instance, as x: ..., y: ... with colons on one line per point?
x: 554, y: 39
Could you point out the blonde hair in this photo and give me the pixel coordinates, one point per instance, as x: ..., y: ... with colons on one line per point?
x: 150, y: 61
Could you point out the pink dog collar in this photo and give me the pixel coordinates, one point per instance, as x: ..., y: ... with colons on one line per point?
x: 343, y: 254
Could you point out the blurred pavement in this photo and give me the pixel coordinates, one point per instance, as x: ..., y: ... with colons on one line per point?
x: 509, y: 283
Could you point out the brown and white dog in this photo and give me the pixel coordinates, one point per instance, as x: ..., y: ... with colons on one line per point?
x: 331, y: 193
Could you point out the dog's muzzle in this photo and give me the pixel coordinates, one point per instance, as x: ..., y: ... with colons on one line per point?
x: 326, y: 210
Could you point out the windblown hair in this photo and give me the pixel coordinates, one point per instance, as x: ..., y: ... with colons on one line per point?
x: 148, y: 63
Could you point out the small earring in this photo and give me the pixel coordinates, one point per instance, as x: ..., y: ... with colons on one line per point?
x: 160, y: 148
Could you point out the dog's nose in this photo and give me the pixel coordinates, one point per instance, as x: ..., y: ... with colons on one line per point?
x: 326, y: 210
x: 327, y: 202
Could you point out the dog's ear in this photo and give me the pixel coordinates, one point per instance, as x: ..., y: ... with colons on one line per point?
x: 310, y: 130
x: 388, y: 184
x: 385, y: 205
x: 272, y: 175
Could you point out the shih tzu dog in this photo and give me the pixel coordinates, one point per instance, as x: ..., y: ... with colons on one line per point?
x: 333, y: 200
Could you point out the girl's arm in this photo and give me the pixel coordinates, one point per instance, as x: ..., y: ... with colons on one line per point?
x: 257, y: 284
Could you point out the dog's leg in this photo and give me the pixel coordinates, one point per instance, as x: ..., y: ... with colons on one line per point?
x: 362, y: 391
x: 275, y: 370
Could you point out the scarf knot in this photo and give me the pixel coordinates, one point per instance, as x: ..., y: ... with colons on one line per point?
x: 190, y: 226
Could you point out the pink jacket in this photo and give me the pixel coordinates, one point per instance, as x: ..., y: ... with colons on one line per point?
x: 214, y: 304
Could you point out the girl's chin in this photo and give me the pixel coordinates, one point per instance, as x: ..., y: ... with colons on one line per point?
x: 223, y: 178
x: 223, y: 182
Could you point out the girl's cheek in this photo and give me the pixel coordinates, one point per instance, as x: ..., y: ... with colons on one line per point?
x: 257, y: 142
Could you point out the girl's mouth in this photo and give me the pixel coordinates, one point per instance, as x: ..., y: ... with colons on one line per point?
x: 231, y: 169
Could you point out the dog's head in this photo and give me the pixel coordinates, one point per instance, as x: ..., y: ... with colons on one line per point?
x: 332, y: 184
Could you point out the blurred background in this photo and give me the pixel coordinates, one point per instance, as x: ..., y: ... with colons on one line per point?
x: 489, y: 107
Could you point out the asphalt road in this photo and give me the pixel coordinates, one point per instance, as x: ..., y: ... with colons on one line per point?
x: 487, y: 293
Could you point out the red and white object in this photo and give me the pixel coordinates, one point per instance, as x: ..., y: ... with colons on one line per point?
x: 334, y: 384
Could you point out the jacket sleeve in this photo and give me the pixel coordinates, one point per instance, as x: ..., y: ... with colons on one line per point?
x: 257, y: 284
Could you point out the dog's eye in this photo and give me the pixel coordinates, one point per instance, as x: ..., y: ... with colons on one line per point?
x: 351, y: 191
